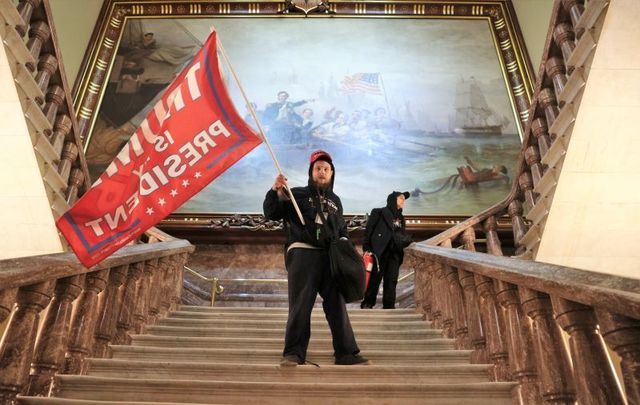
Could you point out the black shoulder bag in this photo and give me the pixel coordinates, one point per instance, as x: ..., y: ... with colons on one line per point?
x: 347, y: 269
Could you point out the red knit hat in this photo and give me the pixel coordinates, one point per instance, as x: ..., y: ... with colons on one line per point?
x: 319, y: 155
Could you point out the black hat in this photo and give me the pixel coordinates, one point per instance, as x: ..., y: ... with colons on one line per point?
x: 406, y: 194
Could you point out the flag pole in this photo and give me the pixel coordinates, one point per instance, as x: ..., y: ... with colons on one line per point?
x: 260, y: 129
x: 384, y: 90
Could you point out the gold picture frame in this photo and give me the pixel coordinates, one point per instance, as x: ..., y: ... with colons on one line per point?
x: 101, y: 54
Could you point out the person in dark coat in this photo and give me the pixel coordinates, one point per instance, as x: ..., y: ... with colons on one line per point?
x: 307, y: 261
x: 385, y: 237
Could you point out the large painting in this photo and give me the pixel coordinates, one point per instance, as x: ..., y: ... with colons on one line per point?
x: 418, y: 104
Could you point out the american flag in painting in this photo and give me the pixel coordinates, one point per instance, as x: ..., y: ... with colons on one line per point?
x: 362, y: 83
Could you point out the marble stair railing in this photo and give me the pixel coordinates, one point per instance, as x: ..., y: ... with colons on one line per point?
x: 131, y: 289
x: 513, y: 313
x: 563, y: 82
x: 563, y: 72
x: 28, y: 34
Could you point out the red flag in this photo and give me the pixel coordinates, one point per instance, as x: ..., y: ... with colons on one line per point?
x: 191, y: 136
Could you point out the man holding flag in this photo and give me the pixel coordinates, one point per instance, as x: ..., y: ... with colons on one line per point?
x: 307, y: 261
x: 190, y: 137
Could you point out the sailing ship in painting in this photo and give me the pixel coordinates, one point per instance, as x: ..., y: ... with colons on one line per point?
x: 473, y: 116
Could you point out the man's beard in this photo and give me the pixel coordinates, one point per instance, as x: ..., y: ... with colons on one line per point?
x: 322, y: 187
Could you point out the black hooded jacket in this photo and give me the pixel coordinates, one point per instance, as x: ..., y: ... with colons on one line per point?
x: 311, y: 233
x: 380, y: 229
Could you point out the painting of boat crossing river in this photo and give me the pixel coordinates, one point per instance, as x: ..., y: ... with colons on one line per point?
x: 404, y: 104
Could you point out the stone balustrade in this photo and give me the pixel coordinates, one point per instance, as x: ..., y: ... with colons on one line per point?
x: 105, y: 298
x: 515, y: 314
x: 34, y: 59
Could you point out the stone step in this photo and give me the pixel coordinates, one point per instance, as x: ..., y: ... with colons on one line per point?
x: 421, y: 374
x: 316, y: 323
x: 212, y: 331
x: 254, y: 299
x: 277, y: 343
x: 67, y: 401
x: 272, y: 356
x: 155, y: 390
x: 380, y: 316
x: 195, y: 308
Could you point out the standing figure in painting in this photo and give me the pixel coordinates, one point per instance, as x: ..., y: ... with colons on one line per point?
x: 307, y: 261
x: 282, y: 121
x: 386, y: 238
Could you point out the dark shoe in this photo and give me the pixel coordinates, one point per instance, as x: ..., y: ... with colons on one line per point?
x: 290, y: 360
x: 352, y: 360
x: 365, y: 306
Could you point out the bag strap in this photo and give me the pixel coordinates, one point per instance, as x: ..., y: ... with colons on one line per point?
x: 316, y: 199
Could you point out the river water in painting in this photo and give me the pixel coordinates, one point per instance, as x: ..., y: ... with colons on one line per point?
x: 365, y: 175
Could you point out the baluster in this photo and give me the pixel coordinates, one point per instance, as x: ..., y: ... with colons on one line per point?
x: 457, y: 304
x: 177, y: 270
x: 61, y: 129
x: 623, y: 336
x: 548, y: 102
x: 25, y: 9
x: 517, y: 221
x: 436, y: 307
x: 594, y: 376
x: 84, y: 322
x: 75, y: 182
x: 557, y: 72
x: 475, y: 327
x: 128, y: 302
x: 39, y: 33
x: 491, y: 319
x: 428, y: 296
x: 69, y: 155
x: 539, y: 129
x: 474, y: 324
x: 419, y: 281
x: 553, y: 364
x: 493, y: 242
x: 575, y: 10
x: 155, y: 289
x: 47, y: 66
x: 165, y: 300
x: 7, y: 301
x: 140, y: 313
x: 468, y: 239
x: 447, y: 305
x: 520, y: 344
x: 55, y: 98
x: 53, y: 339
x: 106, y: 324
x: 517, y: 327
x: 564, y: 37
x: 532, y: 157
x: 16, y: 348
x: 526, y: 185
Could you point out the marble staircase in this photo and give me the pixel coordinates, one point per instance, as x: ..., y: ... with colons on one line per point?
x: 230, y: 355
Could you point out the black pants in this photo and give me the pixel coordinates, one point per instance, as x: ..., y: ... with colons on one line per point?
x: 308, y: 274
x: 387, y: 271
